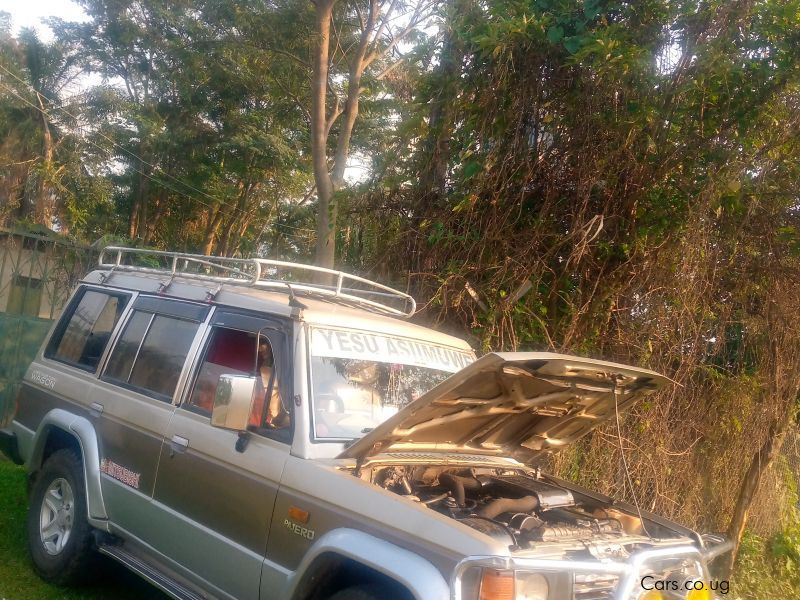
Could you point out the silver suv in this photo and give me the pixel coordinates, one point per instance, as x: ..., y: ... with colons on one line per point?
x: 258, y: 429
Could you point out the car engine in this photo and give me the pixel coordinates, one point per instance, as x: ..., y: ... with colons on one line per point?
x: 517, y: 507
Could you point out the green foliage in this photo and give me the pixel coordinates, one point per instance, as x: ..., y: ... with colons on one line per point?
x: 41, y: 166
x: 769, y: 568
x: 638, y: 164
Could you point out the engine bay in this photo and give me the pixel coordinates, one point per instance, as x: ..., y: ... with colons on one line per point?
x: 520, y: 508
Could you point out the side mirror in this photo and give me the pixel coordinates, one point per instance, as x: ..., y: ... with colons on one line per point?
x: 233, y: 402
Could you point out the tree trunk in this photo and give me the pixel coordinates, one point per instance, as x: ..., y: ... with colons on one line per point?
x: 43, y: 213
x: 329, y: 182
x: 133, y: 219
x: 440, y: 124
x: 326, y: 212
x: 151, y: 225
x: 138, y: 214
x: 758, y: 466
x: 229, y: 241
x: 224, y: 240
x: 240, y: 234
x: 783, y: 386
x: 214, y: 221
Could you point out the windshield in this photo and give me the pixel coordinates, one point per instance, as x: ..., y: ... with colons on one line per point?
x: 359, y: 379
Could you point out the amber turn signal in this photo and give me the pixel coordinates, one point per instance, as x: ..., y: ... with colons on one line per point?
x: 497, y: 585
x: 298, y: 515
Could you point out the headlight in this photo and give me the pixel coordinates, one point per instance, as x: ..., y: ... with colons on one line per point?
x: 508, y: 585
x: 531, y: 586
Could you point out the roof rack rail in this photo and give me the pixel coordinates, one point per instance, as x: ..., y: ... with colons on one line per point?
x: 261, y: 273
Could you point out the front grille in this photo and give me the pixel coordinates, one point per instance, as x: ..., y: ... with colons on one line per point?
x: 438, y: 457
x: 601, y: 586
x: 593, y: 586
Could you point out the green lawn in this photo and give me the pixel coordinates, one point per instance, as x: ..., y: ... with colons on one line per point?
x: 17, y: 579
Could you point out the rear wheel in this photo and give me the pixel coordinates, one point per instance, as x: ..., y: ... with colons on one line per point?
x: 59, y: 536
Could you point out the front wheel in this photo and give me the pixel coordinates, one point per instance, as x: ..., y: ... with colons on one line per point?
x: 59, y: 536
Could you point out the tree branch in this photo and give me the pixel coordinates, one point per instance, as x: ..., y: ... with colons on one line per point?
x: 294, y: 97
x: 335, y: 113
x: 390, y: 68
x: 420, y: 14
x: 291, y: 56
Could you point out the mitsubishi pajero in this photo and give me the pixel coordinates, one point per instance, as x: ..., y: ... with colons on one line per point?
x: 250, y: 429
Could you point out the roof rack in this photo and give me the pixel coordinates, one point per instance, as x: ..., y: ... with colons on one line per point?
x: 296, y: 278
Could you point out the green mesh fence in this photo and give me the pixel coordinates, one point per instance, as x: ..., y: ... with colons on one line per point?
x: 20, y: 338
x: 37, y: 274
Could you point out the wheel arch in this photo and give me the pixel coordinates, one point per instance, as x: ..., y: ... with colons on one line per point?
x: 375, y: 560
x: 62, y: 429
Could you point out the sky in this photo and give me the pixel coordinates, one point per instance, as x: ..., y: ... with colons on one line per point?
x: 28, y: 13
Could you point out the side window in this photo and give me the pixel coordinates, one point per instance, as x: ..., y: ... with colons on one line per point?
x: 150, y: 354
x: 229, y: 351
x: 120, y: 364
x: 85, y: 328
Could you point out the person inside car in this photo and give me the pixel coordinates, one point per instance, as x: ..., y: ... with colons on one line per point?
x: 268, y: 394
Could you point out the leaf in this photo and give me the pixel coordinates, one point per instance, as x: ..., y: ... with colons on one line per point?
x: 591, y: 9
x: 555, y: 34
x: 573, y: 44
x: 471, y: 169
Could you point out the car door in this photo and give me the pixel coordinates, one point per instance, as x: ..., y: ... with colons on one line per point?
x: 218, y: 486
x: 136, y: 394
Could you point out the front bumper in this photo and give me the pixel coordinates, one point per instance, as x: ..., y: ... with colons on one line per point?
x: 621, y: 578
x: 8, y: 445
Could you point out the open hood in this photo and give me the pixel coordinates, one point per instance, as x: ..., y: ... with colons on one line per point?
x: 521, y: 405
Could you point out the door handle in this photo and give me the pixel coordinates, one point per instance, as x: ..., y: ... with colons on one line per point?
x: 95, y: 409
x: 178, y: 444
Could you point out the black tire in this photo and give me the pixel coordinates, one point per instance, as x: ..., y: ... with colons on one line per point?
x: 66, y: 554
x: 368, y: 591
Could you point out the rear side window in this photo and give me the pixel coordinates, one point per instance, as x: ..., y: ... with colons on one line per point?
x: 151, y: 352
x: 85, y: 328
x: 120, y: 364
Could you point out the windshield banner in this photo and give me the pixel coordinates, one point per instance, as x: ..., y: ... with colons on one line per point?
x: 379, y: 348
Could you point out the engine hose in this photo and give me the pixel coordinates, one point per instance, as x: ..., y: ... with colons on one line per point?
x: 435, y: 499
x: 525, y: 504
x: 457, y: 485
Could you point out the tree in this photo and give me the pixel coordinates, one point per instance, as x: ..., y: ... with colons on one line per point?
x: 376, y: 30
x: 619, y: 180
x: 34, y: 76
x: 208, y: 148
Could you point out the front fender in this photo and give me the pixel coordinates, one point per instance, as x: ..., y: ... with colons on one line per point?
x: 83, y: 431
x: 412, y: 571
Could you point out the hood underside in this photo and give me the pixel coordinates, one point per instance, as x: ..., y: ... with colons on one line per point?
x: 521, y: 405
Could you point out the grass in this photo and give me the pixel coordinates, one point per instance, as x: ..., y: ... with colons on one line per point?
x: 768, y: 569
x: 17, y: 579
